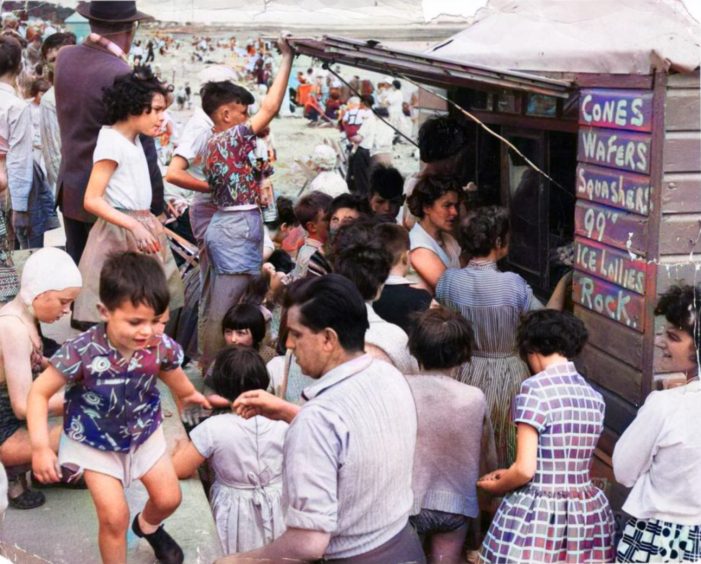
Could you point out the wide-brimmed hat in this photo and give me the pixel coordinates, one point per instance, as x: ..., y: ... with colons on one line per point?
x: 113, y: 11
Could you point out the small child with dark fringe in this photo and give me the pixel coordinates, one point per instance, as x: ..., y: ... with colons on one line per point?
x: 112, y: 431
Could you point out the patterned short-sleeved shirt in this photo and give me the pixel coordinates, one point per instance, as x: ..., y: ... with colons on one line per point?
x: 112, y: 403
x: 232, y: 167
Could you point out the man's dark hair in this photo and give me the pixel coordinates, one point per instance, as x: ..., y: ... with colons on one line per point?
x: 309, y: 206
x: 368, y: 100
x: 350, y: 201
x: 441, y: 339
x: 397, y: 84
x: 332, y: 302
x: 394, y: 238
x: 132, y: 94
x: 134, y: 277
x: 428, y: 189
x: 216, y: 94
x: 482, y: 229
x: 548, y: 331
x: 38, y: 85
x: 285, y: 213
x: 56, y: 40
x: 386, y: 181
x: 440, y: 138
x: 246, y: 316
x: 681, y: 306
x: 10, y: 55
x: 237, y: 370
x: 362, y: 258
x: 281, y: 261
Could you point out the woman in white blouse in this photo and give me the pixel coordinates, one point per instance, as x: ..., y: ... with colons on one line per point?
x: 659, y: 455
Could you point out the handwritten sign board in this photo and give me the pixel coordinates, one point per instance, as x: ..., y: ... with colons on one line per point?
x: 610, y: 265
x: 610, y: 300
x: 616, y: 109
x: 611, y: 148
x: 623, y: 230
x: 622, y: 190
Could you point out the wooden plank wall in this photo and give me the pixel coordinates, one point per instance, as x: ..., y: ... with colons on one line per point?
x: 680, y: 224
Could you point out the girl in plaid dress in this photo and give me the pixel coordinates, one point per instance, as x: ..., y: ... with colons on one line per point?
x: 553, y: 513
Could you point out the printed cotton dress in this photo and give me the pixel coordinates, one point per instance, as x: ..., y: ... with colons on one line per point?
x: 560, y: 515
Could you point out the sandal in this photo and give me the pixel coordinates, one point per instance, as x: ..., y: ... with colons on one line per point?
x: 28, y: 499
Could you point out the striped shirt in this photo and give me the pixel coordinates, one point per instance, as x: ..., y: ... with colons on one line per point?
x: 348, y: 457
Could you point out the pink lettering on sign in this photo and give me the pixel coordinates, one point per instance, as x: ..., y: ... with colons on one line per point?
x: 609, y: 300
x: 610, y: 264
x: 622, y: 150
x: 602, y: 224
x: 616, y: 109
x: 624, y: 190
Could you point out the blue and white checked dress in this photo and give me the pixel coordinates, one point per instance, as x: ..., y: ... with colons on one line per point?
x: 560, y: 516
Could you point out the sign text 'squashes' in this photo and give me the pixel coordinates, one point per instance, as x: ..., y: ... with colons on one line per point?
x: 610, y: 264
x: 616, y: 109
x: 623, y: 306
x: 623, y: 190
x: 623, y: 230
x: 615, y: 149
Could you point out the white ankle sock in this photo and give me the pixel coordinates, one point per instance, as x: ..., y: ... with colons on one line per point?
x: 146, y: 527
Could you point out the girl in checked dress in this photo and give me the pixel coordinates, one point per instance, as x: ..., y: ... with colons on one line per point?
x: 551, y: 511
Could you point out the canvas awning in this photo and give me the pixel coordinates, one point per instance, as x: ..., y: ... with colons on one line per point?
x: 425, y: 68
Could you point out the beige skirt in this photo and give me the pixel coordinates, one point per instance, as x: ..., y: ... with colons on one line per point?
x: 106, y: 238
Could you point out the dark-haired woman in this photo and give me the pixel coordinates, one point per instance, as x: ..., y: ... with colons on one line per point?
x: 552, y: 512
x: 119, y: 189
x: 434, y: 202
x: 493, y: 302
x: 660, y: 452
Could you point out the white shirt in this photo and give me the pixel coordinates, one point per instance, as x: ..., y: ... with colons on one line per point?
x: 392, y: 340
x: 50, y: 136
x: 192, y: 146
x: 329, y: 182
x: 376, y: 135
x: 16, y: 144
x: 659, y: 455
x: 129, y: 187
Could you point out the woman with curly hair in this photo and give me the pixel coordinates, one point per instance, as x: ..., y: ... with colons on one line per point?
x: 434, y: 202
x: 660, y: 452
x: 493, y: 302
x: 119, y: 188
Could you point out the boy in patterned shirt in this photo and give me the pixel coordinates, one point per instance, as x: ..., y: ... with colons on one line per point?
x: 112, y: 412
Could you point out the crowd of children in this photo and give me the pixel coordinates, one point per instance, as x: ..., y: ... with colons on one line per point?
x: 501, y: 411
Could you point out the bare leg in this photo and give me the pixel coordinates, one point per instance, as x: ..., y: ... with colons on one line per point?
x: 17, y: 449
x: 112, y: 515
x: 446, y: 548
x: 163, y: 488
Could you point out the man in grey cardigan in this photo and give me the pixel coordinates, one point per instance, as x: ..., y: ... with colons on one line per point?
x: 349, y: 450
x: 81, y: 73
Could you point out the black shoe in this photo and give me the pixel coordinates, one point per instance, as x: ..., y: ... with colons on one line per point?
x: 164, y: 546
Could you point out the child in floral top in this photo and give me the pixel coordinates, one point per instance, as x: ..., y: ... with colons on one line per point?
x: 112, y: 414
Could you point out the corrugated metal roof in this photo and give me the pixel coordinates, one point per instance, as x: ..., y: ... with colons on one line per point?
x: 425, y: 68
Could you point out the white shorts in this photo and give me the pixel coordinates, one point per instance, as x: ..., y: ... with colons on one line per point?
x: 124, y: 466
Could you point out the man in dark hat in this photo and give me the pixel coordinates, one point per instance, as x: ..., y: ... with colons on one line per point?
x: 81, y: 73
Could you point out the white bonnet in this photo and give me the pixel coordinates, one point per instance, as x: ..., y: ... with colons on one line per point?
x: 48, y: 269
x: 216, y: 73
x: 324, y: 157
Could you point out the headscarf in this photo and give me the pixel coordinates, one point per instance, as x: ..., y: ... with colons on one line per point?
x: 45, y: 270
x: 324, y: 157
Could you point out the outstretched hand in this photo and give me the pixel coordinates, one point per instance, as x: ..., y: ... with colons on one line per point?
x: 284, y: 45
x: 196, y: 398
x: 259, y: 402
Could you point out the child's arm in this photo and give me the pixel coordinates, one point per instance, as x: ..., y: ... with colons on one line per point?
x: 186, y: 459
x: 270, y: 105
x: 94, y: 202
x: 44, y: 460
x: 182, y: 388
x: 521, y: 471
x: 258, y: 402
x: 177, y: 174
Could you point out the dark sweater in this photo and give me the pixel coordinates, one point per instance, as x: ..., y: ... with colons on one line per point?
x: 398, y: 302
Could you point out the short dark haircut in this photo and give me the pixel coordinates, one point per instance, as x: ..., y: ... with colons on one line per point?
x: 681, y: 306
x: 397, y: 84
x: 547, y: 331
x: 308, y: 207
x: 132, y: 94
x: 135, y: 277
x: 428, y: 189
x: 285, y: 213
x: 281, y: 261
x: 441, y: 138
x: 216, y: 94
x: 363, y: 259
x: 56, y: 40
x: 245, y: 316
x: 394, y: 238
x: 10, y: 55
x: 441, y: 339
x: 350, y: 201
x: 38, y: 85
x: 333, y: 302
x: 484, y: 229
x: 237, y: 370
x: 368, y: 100
x: 386, y: 181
